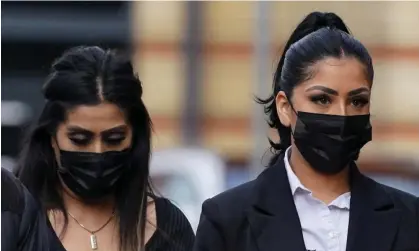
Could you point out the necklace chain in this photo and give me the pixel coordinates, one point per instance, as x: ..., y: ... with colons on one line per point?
x: 88, y: 230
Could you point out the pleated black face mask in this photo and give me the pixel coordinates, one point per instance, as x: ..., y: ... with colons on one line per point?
x: 330, y: 142
x: 92, y: 175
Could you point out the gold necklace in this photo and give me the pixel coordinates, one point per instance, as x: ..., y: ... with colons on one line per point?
x: 93, y: 239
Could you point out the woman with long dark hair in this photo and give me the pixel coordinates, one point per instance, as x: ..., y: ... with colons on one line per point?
x: 312, y: 196
x: 87, y: 159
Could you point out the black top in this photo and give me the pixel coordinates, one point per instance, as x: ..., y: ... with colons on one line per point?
x: 174, y: 232
x: 24, y: 226
x: 261, y: 215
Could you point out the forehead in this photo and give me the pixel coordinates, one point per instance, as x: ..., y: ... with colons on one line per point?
x: 97, y: 117
x: 338, y: 74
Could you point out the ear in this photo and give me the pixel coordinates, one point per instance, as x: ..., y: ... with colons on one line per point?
x: 283, y: 108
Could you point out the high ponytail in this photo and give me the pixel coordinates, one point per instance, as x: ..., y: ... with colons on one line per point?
x: 318, y: 36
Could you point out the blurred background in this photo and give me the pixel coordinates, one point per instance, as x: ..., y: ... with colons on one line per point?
x: 201, y: 65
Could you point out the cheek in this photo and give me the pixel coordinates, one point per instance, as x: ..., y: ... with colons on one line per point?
x: 63, y: 142
x: 60, y: 138
x: 304, y: 104
x: 128, y: 141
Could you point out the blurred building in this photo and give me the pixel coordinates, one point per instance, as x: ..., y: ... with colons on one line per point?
x: 202, y: 63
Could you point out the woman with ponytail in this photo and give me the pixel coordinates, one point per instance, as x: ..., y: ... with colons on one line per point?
x: 312, y: 196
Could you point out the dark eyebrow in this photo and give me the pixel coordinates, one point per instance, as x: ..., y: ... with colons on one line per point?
x: 78, y: 129
x: 358, y: 91
x: 116, y: 129
x: 324, y: 89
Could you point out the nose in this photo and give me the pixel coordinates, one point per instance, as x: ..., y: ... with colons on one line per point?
x: 98, y: 147
x: 340, y: 108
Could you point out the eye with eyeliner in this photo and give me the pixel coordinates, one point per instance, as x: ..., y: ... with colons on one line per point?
x: 114, y: 139
x: 321, y: 99
x: 79, y: 139
x: 359, y: 101
x: 82, y: 137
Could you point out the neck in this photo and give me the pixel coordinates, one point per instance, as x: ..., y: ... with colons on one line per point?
x: 325, y: 187
x: 78, y: 207
x: 89, y: 214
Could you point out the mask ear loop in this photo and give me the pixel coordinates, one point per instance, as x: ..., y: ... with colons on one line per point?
x: 60, y: 169
x: 296, y: 114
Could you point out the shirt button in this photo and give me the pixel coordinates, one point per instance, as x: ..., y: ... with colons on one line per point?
x: 333, y: 234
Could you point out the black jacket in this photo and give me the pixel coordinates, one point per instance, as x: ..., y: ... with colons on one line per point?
x: 261, y: 216
x: 24, y: 227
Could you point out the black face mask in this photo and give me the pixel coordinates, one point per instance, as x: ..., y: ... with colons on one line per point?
x: 330, y: 142
x: 92, y: 175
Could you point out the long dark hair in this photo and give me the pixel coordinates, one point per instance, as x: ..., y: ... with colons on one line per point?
x: 318, y: 36
x: 89, y: 76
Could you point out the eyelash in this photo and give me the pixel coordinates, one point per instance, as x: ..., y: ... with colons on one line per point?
x: 80, y: 142
x: 85, y: 141
x: 362, y: 102
x: 321, y: 99
x: 324, y: 99
x: 114, y: 141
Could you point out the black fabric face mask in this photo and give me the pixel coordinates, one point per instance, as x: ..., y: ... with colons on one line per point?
x: 330, y: 142
x: 90, y: 175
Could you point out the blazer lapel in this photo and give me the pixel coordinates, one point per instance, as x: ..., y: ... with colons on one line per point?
x: 373, y: 220
x: 274, y: 219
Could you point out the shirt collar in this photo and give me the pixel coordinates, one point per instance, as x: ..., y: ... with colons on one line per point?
x: 294, y: 181
x: 343, y: 201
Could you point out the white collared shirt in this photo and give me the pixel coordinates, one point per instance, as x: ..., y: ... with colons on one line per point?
x: 324, y: 227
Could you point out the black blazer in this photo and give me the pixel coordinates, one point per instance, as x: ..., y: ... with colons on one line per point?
x: 261, y: 216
